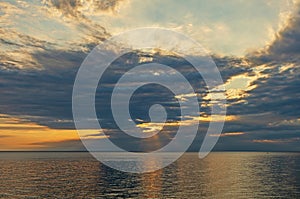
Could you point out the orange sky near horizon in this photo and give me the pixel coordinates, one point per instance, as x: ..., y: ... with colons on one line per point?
x: 16, y: 134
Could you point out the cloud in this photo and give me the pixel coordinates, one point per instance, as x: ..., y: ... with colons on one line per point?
x: 243, y: 25
x: 286, y: 45
x: 231, y: 134
x: 277, y: 89
x: 5, y: 136
x: 19, y: 134
x: 277, y: 141
x: 79, y: 8
x: 47, y: 32
x: 45, y: 96
x: 38, y: 69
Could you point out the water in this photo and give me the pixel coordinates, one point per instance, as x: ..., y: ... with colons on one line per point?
x: 220, y: 175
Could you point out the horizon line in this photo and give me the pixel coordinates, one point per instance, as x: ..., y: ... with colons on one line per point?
x: 216, y: 151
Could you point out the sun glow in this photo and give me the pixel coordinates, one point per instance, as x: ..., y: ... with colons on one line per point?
x: 16, y: 134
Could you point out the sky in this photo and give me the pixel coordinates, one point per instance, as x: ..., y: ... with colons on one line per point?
x: 255, y: 45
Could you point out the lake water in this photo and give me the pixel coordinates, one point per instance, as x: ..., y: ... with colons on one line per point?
x: 219, y: 175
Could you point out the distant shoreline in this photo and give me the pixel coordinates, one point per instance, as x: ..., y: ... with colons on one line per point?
x: 227, y: 151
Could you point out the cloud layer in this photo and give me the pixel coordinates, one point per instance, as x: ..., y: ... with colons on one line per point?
x: 39, y: 64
